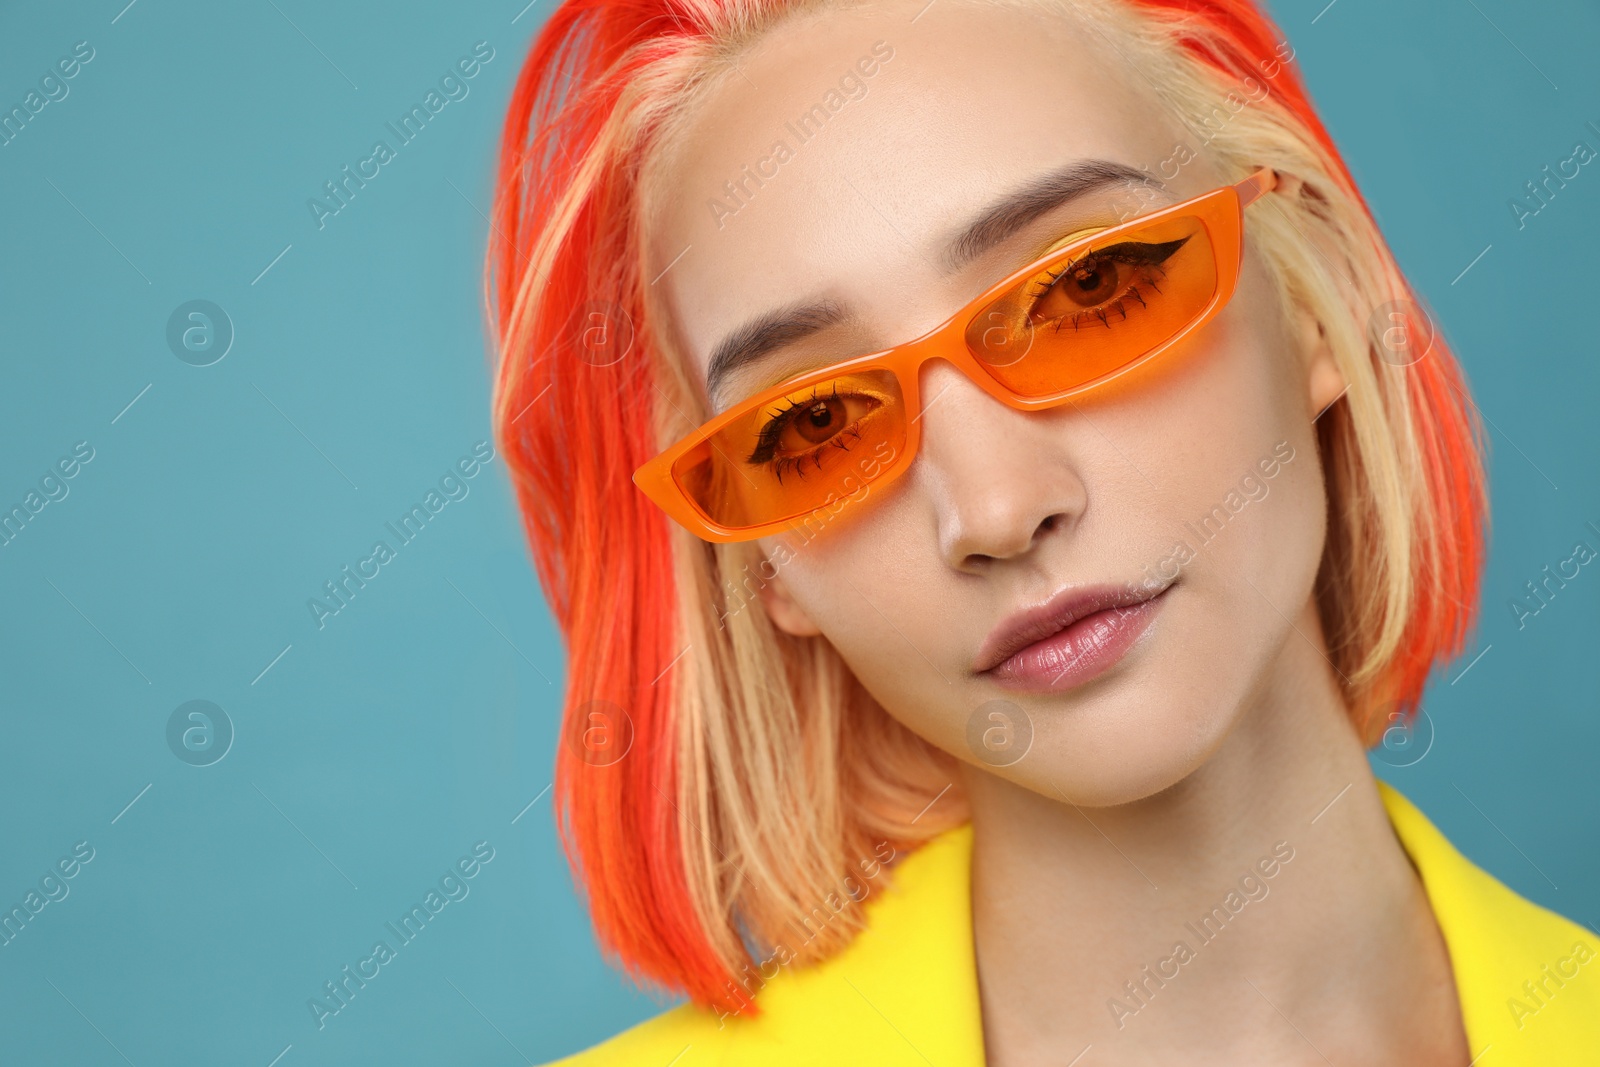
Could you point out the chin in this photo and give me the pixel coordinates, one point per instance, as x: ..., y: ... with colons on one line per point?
x: 1128, y: 775
x: 1142, y: 736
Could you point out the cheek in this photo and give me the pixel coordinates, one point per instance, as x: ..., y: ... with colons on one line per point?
x: 1228, y: 410
x: 878, y: 592
x: 1193, y: 497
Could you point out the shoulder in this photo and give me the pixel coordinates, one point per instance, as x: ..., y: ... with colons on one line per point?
x: 905, y: 988
x: 1528, y: 978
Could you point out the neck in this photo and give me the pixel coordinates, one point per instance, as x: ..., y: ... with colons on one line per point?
x: 1267, y: 886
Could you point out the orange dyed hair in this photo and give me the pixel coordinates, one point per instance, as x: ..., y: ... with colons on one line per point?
x: 668, y: 841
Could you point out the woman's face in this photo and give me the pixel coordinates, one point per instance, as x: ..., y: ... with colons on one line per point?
x: 1196, y: 491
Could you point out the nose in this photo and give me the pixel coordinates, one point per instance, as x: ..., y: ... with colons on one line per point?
x: 1000, y: 481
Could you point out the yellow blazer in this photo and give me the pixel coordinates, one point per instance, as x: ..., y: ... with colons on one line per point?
x: 905, y: 991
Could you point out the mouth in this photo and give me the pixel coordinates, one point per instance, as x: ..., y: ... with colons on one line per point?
x: 1076, y: 635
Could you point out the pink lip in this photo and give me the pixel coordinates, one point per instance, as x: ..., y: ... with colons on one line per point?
x: 1076, y: 635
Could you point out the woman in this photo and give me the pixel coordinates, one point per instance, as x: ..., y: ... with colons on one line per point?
x: 976, y: 454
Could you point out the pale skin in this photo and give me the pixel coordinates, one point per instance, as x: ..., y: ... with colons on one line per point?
x: 1149, y: 790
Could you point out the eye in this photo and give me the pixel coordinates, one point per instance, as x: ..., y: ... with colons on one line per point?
x: 1085, y: 284
x: 818, y: 420
x: 1101, y: 281
x: 809, y: 424
x: 1088, y: 283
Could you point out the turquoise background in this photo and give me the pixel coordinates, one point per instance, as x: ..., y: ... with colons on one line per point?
x: 371, y: 754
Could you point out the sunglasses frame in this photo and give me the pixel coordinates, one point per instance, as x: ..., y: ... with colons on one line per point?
x: 1220, y: 211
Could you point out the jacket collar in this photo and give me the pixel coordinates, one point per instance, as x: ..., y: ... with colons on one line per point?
x: 906, y: 989
x: 1509, y: 955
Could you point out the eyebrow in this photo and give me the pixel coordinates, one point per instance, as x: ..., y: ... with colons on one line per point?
x: 1006, y: 216
x: 766, y: 333
x: 1043, y: 194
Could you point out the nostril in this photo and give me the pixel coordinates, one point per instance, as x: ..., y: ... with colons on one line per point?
x: 1056, y: 520
x: 978, y: 560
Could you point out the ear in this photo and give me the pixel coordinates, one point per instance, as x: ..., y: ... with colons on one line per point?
x: 786, y: 614
x: 1324, y: 381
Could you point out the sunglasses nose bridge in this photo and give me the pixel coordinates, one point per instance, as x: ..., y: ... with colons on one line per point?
x: 950, y: 346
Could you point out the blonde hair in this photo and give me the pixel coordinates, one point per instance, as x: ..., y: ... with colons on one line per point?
x: 782, y: 777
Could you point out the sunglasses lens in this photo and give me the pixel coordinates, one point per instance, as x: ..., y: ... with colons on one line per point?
x: 1097, y: 310
x: 805, y: 455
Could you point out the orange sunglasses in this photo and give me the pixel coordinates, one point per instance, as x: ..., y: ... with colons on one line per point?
x: 1076, y: 318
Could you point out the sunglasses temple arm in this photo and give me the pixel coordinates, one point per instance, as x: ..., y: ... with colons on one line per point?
x: 1256, y: 186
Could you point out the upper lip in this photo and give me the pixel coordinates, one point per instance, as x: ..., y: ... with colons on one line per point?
x: 1021, y: 629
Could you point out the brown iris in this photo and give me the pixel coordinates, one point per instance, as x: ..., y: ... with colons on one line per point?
x: 1083, y: 285
x: 820, y: 420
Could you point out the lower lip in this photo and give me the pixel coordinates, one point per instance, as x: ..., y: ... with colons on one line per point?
x: 1083, y: 651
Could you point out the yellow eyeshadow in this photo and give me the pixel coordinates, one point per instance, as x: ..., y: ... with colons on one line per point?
x: 1075, y: 235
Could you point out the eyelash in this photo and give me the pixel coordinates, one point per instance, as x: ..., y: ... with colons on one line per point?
x: 772, y: 430
x: 792, y: 464
x: 1079, y: 318
x: 1132, y: 254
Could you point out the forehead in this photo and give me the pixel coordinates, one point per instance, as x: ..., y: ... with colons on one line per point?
x: 848, y: 147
